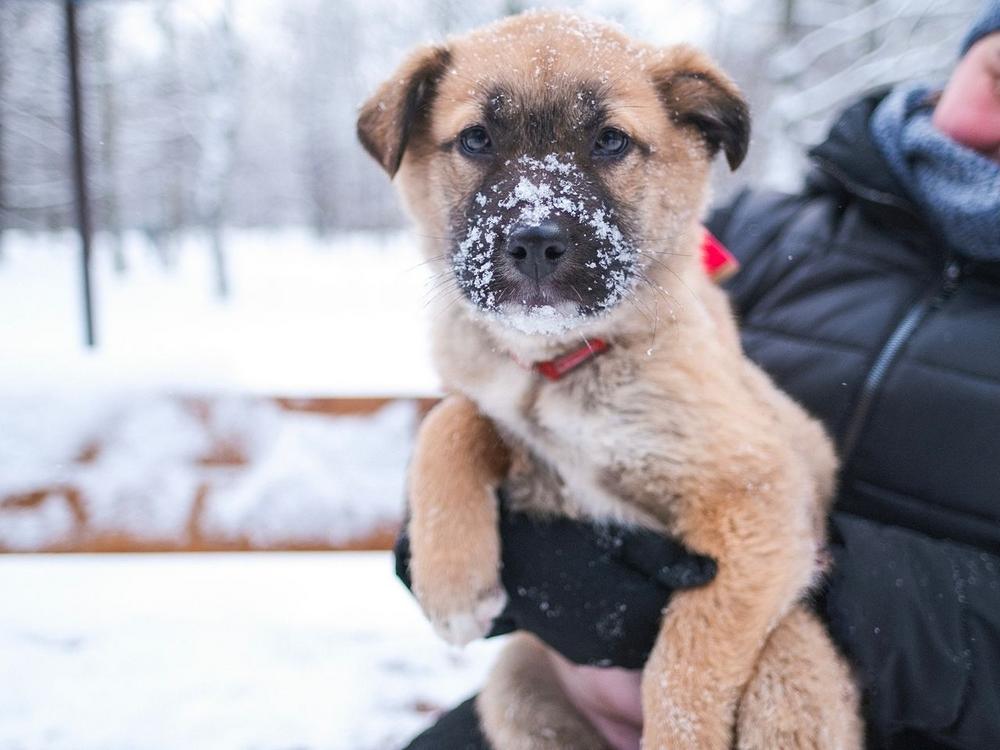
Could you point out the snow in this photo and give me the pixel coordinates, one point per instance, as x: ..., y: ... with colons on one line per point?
x: 322, y: 479
x: 40, y: 527
x: 551, y: 186
x: 139, y: 484
x: 213, y: 651
x: 266, y: 475
x: 122, y: 440
x: 222, y: 652
x: 306, y: 317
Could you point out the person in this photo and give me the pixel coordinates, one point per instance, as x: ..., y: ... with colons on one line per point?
x: 873, y: 297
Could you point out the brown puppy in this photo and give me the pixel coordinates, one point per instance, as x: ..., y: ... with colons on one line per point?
x: 557, y: 171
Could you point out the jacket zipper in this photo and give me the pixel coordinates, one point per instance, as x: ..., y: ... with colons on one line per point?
x: 901, y: 334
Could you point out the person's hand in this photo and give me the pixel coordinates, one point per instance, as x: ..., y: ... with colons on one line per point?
x: 918, y: 618
x: 594, y: 593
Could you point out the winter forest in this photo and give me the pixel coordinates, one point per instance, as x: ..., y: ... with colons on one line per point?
x: 241, y: 112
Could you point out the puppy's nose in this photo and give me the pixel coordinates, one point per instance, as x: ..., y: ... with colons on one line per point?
x: 537, y: 250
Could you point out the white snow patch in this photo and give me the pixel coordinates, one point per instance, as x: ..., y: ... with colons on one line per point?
x: 306, y: 316
x: 546, y: 187
x: 220, y: 652
x: 31, y: 528
x: 40, y: 437
x: 301, y: 477
x: 142, y: 482
x: 320, y: 479
x: 544, y: 320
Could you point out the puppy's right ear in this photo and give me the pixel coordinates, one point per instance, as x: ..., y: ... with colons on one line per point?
x: 388, y: 118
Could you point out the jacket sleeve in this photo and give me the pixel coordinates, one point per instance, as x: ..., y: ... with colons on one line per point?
x: 920, y: 620
x: 750, y: 227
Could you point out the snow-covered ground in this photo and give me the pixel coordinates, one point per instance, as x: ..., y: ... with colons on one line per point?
x: 241, y: 651
x: 315, y: 651
x: 228, y: 471
x: 305, y: 317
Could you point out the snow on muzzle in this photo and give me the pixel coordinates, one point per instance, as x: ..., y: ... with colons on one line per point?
x: 541, y: 248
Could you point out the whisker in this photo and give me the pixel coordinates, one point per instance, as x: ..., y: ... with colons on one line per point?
x: 642, y: 312
x: 646, y: 240
x: 634, y: 298
x: 436, y: 287
x: 586, y: 341
x: 449, y: 305
x: 444, y: 308
x: 652, y: 257
x: 677, y: 276
x: 423, y: 263
x: 446, y: 286
x: 671, y: 300
x: 432, y: 236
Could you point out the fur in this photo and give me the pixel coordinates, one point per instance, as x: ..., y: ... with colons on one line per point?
x: 672, y: 429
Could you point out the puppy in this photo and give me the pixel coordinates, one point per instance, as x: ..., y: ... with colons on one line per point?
x: 557, y: 171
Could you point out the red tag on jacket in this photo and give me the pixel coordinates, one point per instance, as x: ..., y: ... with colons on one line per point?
x: 719, y: 263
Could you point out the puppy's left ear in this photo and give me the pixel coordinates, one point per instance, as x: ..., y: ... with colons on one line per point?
x: 389, y: 117
x: 697, y: 94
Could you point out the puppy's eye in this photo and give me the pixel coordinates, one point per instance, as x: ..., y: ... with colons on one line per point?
x: 611, y: 142
x: 475, y: 141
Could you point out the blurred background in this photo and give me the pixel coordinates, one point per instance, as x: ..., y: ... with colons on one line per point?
x: 249, y: 364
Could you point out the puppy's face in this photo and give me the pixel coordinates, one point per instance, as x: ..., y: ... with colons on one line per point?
x: 557, y: 164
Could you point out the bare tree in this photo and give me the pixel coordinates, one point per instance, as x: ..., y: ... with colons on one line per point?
x: 174, y: 156
x: 209, y: 125
x: 36, y: 187
x: 107, y: 110
x: 218, y: 138
x: 802, y: 62
x: 5, y: 23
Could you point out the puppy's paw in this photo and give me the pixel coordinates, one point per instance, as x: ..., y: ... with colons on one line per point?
x: 462, y: 623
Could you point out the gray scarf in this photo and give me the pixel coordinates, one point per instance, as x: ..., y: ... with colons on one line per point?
x: 957, y: 188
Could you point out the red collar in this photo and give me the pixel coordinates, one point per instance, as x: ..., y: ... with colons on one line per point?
x: 719, y: 264
x: 554, y: 369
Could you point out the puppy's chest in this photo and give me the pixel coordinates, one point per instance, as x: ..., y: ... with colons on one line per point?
x: 576, y: 441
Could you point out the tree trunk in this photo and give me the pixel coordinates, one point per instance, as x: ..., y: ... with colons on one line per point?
x: 219, y: 143
x: 788, y: 17
x: 217, y: 243
x: 110, y: 187
x: 5, y: 24
x: 174, y: 214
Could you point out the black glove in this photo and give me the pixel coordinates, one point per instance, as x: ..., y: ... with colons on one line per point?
x: 919, y: 619
x: 594, y: 593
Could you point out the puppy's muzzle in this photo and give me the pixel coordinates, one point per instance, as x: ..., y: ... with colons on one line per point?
x: 537, y: 250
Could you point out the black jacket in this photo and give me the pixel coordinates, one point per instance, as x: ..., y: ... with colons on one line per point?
x: 861, y: 311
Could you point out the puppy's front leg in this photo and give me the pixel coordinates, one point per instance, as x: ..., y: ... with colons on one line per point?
x: 711, y: 637
x: 458, y: 463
